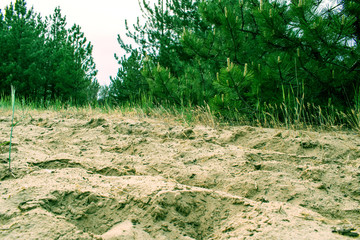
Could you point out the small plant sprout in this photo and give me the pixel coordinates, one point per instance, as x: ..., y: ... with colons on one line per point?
x: 12, y: 124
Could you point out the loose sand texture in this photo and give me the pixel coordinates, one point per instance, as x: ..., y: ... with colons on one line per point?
x: 106, y: 176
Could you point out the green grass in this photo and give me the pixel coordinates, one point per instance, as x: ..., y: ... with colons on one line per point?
x: 292, y: 113
x: 310, y: 117
x: 12, y: 123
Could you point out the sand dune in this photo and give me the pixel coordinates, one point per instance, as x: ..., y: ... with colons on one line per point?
x: 104, y: 176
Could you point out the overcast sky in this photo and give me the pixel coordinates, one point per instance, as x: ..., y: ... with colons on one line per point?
x: 101, y: 21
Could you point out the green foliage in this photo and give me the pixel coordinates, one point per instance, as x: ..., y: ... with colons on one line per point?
x: 241, y: 55
x: 43, y: 59
x: 163, y: 86
x: 159, y: 41
x: 20, y: 48
x: 129, y: 84
x: 235, y: 90
x: 352, y: 10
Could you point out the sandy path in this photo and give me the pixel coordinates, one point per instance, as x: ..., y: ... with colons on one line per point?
x: 97, y: 176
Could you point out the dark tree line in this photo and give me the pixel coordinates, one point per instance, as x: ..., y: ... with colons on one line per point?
x: 239, y: 54
x: 43, y: 59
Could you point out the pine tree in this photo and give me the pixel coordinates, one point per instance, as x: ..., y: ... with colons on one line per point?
x: 2, y: 53
x: 21, y: 50
x: 86, y: 86
x: 43, y: 59
x: 71, y: 69
x: 160, y: 43
x: 239, y: 54
x: 129, y: 84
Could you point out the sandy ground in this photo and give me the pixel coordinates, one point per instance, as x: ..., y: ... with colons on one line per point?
x: 103, y: 176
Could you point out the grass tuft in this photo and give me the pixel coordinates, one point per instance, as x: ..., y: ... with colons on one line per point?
x: 292, y: 113
x: 12, y: 123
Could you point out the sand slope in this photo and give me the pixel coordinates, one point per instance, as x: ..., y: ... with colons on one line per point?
x: 97, y: 176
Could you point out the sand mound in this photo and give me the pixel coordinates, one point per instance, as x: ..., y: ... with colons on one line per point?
x: 107, y: 177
